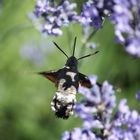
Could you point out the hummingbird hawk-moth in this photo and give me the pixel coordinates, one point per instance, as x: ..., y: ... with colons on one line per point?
x: 67, y: 81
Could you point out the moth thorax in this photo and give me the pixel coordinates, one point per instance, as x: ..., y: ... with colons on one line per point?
x: 63, y: 104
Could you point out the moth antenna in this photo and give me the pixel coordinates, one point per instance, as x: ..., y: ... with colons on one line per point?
x: 60, y: 49
x: 74, y: 46
x: 88, y: 55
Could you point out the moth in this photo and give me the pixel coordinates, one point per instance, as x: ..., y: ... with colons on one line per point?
x: 67, y: 81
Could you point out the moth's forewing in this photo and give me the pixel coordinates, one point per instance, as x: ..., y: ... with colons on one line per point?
x: 84, y: 80
x: 51, y: 75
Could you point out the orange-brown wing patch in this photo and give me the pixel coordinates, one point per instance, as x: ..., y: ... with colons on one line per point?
x: 51, y: 75
x: 84, y: 81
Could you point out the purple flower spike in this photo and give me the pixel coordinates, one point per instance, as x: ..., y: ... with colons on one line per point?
x: 133, y: 46
x: 55, y: 16
x: 90, y: 15
x: 99, y: 98
x: 79, y: 134
x: 125, y: 16
x: 102, y: 120
x: 138, y: 96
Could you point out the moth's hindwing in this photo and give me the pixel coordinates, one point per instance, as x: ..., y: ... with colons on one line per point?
x: 84, y: 80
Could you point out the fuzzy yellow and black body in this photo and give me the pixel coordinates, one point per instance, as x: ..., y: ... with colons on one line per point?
x: 67, y: 81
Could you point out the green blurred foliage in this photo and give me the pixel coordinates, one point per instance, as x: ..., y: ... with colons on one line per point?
x: 25, y: 97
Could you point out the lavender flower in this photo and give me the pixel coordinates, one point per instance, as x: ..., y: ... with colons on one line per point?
x: 138, y: 96
x: 79, y: 134
x: 55, y: 16
x: 90, y: 15
x: 126, y: 123
x: 123, y: 14
x: 100, y: 120
x: 125, y: 17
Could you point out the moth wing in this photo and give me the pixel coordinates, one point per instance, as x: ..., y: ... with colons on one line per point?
x: 51, y: 75
x: 84, y: 80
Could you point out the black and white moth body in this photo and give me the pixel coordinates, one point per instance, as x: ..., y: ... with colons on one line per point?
x: 67, y: 81
x: 65, y: 97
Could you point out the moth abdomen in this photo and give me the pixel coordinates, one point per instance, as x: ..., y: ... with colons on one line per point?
x: 63, y: 104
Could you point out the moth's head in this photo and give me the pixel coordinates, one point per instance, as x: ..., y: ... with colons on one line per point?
x: 63, y: 105
x: 72, y: 62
